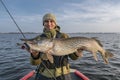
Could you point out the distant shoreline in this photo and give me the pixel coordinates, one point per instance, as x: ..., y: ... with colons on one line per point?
x: 68, y: 33
x: 18, y: 33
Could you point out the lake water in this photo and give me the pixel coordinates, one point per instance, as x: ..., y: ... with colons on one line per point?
x: 15, y: 63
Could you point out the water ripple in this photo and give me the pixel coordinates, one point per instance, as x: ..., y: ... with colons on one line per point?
x: 14, y: 62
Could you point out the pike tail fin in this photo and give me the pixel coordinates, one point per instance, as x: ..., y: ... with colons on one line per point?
x: 107, y: 56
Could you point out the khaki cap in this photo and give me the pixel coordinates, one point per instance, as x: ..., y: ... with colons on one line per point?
x: 49, y: 16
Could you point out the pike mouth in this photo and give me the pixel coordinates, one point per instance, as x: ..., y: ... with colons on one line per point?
x: 29, y: 41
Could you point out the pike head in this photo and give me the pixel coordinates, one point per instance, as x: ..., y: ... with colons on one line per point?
x: 42, y: 45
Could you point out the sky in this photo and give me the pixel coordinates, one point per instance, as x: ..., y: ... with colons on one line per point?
x: 72, y: 15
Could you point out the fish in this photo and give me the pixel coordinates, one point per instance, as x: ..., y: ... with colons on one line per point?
x: 66, y: 46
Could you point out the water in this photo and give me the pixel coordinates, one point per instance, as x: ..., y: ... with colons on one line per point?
x: 14, y: 62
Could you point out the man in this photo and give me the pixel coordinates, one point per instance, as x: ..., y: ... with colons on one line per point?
x: 59, y: 70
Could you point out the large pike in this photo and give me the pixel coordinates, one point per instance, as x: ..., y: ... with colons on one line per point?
x: 67, y: 46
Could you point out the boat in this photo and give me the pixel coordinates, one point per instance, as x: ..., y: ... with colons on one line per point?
x: 76, y: 75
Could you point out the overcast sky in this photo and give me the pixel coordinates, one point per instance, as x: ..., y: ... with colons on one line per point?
x: 72, y: 15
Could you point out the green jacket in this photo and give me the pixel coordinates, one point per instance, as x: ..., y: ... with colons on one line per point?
x: 58, y: 60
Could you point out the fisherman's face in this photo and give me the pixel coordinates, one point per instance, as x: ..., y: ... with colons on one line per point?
x: 49, y: 24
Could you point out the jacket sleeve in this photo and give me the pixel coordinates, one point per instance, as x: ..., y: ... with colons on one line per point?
x: 64, y: 35
x: 73, y: 56
x: 35, y: 61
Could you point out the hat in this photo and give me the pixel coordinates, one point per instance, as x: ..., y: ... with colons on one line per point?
x: 49, y: 16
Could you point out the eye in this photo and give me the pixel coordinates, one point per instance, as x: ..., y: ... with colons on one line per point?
x: 49, y: 21
x: 46, y: 21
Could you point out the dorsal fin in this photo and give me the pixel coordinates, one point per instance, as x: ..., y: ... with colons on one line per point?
x: 98, y: 41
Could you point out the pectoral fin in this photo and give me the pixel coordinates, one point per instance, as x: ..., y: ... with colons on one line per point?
x: 50, y: 58
x: 95, y: 56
